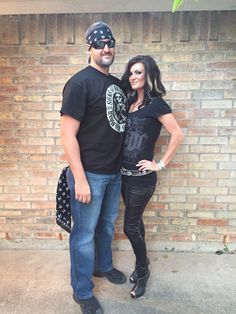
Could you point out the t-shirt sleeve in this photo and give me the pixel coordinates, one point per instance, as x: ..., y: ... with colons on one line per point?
x: 160, y: 108
x: 74, y: 101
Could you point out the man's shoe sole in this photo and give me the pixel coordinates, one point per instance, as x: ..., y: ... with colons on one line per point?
x: 75, y: 299
x: 98, y: 311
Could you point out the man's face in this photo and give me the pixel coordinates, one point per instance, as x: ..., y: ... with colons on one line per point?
x: 103, y: 56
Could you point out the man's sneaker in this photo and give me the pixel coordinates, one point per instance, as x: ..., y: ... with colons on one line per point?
x: 114, y: 276
x: 89, y: 306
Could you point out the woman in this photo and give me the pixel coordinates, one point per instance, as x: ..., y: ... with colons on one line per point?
x: 147, y: 113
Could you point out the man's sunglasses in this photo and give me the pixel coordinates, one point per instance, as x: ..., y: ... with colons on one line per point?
x: 101, y: 44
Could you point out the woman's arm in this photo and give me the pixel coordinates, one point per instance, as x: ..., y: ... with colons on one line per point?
x: 171, y: 125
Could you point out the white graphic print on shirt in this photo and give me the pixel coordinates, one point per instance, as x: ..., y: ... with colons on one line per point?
x: 116, y: 108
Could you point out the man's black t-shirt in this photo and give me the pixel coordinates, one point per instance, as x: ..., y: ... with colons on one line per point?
x: 142, y: 132
x: 98, y: 102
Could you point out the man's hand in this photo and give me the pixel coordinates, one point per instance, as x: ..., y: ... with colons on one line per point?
x: 82, y: 191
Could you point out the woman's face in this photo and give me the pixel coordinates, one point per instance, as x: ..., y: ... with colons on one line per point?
x: 137, y: 76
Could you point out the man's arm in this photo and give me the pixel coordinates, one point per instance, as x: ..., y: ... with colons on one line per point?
x: 69, y: 130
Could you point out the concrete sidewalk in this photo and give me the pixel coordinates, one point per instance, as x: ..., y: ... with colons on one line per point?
x: 37, y: 282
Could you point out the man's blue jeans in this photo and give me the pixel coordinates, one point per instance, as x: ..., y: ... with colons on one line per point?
x: 93, y: 230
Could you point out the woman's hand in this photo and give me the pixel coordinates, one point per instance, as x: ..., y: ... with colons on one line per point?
x: 147, y: 165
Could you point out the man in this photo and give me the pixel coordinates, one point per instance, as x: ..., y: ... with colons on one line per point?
x: 92, y: 134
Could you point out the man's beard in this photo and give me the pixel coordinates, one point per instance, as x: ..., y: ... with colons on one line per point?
x: 105, y: 63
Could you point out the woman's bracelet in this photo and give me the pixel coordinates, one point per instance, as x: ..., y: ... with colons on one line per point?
x: 161, y: 165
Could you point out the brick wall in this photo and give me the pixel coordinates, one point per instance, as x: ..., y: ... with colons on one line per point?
x: 194, y: 204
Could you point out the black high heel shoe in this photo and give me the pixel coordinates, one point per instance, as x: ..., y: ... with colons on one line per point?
x: 134, y: 276
x: 139, y: 288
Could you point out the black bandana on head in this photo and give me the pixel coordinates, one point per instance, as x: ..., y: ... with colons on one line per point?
x: 99, y: 33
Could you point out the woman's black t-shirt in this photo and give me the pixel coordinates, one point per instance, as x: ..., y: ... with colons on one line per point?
x: 142, y: 131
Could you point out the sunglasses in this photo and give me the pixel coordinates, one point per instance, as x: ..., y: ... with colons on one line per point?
x: 101, y: 44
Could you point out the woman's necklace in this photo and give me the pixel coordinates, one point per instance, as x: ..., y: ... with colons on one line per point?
x: 135, y: 106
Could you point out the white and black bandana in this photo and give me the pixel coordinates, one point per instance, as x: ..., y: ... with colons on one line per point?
x: 63, y: 210
x: 99, y: 33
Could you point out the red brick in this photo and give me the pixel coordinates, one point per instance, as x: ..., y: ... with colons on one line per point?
x: 24, y: 61
x: 9, y: 51
x: 46, y: 235
x: 205, y: 113
x: 212, y: 222
x: 233, y: 238
x: 154, y: 205
x: 54, y: 60
x: 212, y: 206
x: 210, y: 238
x: 120, y: 236
x: 5, y: 80
x: 222, y: 65
x: 69, y: 70
x: 180, y: 237
x: 230, y: 113
x: 37, y: 70
x: 20, y: 79
x: 9, y: 70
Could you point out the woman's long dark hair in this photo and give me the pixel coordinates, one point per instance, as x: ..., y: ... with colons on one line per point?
x: 153, y: 86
